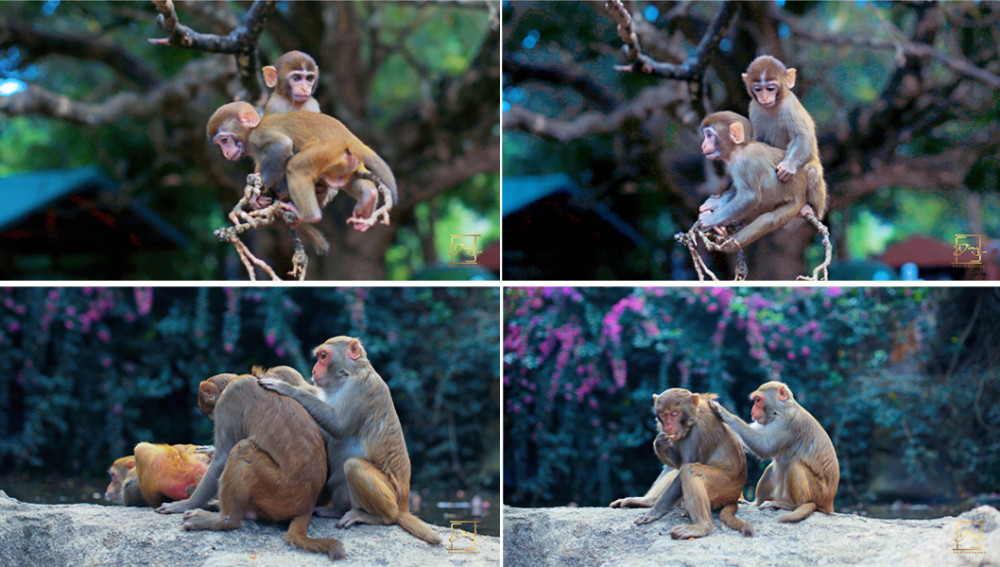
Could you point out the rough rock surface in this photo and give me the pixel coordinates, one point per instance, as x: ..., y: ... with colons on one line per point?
x: 89, y: 534
x: 539, y: 537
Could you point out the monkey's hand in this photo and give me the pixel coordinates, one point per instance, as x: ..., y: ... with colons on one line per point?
x: 648, y: 517
x: 275, y: 385
x: 663, y: 441
x: 175, y: 507
x: 786, y: 170
x: 720, y: 411
x: 206, y: 450
x: 807, y: 210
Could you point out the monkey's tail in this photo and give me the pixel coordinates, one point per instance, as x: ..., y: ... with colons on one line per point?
x: 417, y: 527
x: 799, y: 514
x: 297, y: 536
x: 314, y: 237
x: 816, y: 192
x: 728, y: 516
x: 375, y: 164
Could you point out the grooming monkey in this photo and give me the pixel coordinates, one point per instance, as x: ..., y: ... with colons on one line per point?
x: 805, y: 472
x: 315, y: 154
x: 371, y: 463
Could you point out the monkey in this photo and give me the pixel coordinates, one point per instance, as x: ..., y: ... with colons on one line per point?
x: 711, y: 466
x: 269, y: 462
x: 165, y: 472
x: 294, y: 78
x: 779, y: 119
x: 156, y: 473
x: 124, y: 487
x: 805, y: 472
x: 757, y: 195
x: 371, y: 463
x: 315, y: 154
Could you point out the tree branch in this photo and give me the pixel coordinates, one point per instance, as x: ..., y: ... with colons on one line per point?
x: 242, y: 41
x: 803, y: 29
x: 40, y: 43
x: 194, y: 76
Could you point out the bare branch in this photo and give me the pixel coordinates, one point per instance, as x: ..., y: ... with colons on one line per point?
x: 801, y: 28
x: 617, y: 12
x: 693, y: 68
x: 40, y: 43
x: 520, y: 69
x: 650, y: 100
x: 194, y: 76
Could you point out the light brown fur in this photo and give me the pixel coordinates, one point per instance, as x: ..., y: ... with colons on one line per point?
x: 371, y: 463
x: 805, y: 472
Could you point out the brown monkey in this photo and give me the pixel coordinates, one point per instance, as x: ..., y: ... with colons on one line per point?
x: 779, y: 119
x: 371, y: 463
x: 757, y: 195
x: 269, y: 462
x: 294, y: 78
x: 315, y: 154
x: 804, y: 474
x: 711, y: 466
x: 124, y: 486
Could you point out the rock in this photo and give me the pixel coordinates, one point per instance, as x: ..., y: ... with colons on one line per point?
x: 91, y: 535
x: 538, y: 537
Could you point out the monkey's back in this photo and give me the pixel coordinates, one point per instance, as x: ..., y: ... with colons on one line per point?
x: 305, y: 127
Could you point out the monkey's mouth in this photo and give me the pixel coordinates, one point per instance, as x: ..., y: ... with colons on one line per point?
x: 299, y: 97
x: 769, y: 103
x: 714, y: 155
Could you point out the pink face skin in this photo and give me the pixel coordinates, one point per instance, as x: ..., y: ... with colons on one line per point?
x: 321, y: 367
x: 300, y: 85
x: 766, y: 93
x: 231, y: 147
x: 711, y: 146
x: 757, y: 413
x: 671, y: 421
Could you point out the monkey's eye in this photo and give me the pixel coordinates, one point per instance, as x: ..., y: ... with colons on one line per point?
x: 771, y: 88
x: 675, y: 413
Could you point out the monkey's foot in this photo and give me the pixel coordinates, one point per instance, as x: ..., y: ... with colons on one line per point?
x: 380, y: 213
x: 647, y: 518
x: 777, y: 505
x: 632, y: 502
x: 690, y: 530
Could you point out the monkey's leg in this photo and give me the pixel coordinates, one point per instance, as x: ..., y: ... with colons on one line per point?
x: 234, y: 496
x: 666, y: 501
x: 301, y: 178
x: 766, y: 485
x: 697, y: 481
x: 763, y: 224
x: 667, y: 476
x: 800, y: 486
x: 373, y: 497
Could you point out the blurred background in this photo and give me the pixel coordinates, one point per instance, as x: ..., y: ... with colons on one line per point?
x: 86, y: 373
x: 602, y: 167
x: 906, y: 381
x: 106, y: 173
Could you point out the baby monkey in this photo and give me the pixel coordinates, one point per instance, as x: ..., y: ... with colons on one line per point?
x: 294, y: 78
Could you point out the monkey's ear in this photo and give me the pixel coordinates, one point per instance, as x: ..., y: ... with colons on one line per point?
x: 355, y: 350
x: 248, y: 116
x: 784, y: 393
x: 130, y: 464
x: 695, y: 398
x: 736, y: 133
x: 790, y: 78
x: 654, y: 397
x: 270, y: 76
x: 744, y: 75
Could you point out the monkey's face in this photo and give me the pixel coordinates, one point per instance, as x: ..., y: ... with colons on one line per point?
x: 324, y: 356
x: 230, y: 145
x: 766, y: 92
x: 673, y: 412
x: 712, y: 145
x: 301, y: 85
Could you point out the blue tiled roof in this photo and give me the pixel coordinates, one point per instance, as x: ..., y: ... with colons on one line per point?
x: 22, y: 194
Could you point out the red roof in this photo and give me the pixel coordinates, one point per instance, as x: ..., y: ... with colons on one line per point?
x: 923, y: 251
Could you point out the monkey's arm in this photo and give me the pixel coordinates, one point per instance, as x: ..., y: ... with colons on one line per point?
x: 272, y: 158
x: 666, y: 501
x: 666, y: 450
x: 733, y: 205
x: 754, y: 436
x: 802, y: 143
x: 208, y: 487
x: 765, y: 223
x: 324, y: 414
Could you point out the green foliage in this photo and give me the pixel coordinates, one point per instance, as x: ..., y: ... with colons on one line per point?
x: 580, y: 366
x: 86, y: 373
